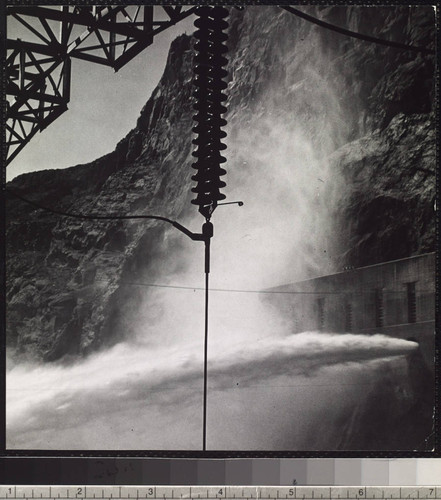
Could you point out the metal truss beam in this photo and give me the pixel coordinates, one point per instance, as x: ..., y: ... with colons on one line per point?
x: 38, y: 64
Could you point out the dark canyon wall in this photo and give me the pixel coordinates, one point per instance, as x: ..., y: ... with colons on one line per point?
x: 63, y: 286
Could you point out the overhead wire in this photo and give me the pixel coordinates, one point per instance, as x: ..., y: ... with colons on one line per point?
x: 235, y: 290
x: 156, y: 285
x: 85, y: 216
x: 354, y: 34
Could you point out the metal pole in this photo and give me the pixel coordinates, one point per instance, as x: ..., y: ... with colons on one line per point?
x: 207, y: 231
x: 204, y: 437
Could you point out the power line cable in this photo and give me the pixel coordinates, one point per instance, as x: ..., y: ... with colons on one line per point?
x: 354, y: 34
x: 180, y: 227
x: 235, y: 290
x: 85, y: 216
x: 155, y: 285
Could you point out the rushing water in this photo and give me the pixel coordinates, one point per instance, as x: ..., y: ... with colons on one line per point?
x: 267, y: 389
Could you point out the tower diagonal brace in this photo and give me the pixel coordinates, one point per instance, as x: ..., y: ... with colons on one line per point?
x: 38, y: 69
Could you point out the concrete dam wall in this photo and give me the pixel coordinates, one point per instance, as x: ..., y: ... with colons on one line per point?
x: 395, y: 298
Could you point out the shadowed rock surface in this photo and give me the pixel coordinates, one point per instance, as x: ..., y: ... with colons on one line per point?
x: 63, y: 288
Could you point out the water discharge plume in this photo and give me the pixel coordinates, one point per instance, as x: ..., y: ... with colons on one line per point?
x: 145, y: 389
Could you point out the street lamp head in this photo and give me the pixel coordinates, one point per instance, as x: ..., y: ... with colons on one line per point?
x: 240, y: 203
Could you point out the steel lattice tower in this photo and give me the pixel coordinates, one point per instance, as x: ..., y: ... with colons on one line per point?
x: 38, y: 65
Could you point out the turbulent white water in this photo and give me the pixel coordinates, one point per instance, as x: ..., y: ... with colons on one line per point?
x: 268, y: 394
x: 268, y: 389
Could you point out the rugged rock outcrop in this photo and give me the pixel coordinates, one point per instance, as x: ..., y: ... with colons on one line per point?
x: 63, y: 273
x: 390, y: 204
x: 366, y: 107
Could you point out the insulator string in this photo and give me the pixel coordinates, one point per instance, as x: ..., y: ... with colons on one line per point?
x: 209, y: 86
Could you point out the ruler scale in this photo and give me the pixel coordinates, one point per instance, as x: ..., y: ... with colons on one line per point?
x: 215, y: 492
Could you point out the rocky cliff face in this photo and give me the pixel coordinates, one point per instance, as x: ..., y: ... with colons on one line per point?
x: 366, y: 109
x: 63, y: 273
